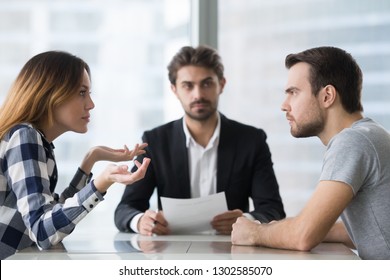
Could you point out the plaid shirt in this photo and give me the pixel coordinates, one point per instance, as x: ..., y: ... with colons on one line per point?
x: 30, y: 211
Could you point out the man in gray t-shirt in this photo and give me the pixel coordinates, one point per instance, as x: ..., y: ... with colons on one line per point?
x: 360, y: 157
x: 323, y: 99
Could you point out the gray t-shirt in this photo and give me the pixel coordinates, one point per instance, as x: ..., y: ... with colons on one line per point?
x: 360, y: 157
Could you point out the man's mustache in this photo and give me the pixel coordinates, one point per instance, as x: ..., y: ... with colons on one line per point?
x: 201, y: 101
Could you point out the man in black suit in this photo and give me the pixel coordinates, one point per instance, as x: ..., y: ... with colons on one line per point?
x: 201, y: 154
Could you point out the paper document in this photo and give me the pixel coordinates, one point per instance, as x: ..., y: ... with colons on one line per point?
x: 192, y: 215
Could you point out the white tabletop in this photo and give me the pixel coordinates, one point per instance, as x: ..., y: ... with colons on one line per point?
x: 110, y: 244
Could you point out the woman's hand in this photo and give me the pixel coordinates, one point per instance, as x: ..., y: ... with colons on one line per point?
x: 120, y: 174
x: 103, y: 153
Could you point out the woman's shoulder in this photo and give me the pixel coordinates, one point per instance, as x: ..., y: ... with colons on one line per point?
x: 21, y: 127
x: 22, y: 130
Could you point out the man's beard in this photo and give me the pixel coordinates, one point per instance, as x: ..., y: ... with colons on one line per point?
x: 201, y: 114
x: 308, y: 130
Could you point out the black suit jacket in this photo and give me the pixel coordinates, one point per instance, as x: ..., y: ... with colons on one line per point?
x: 244, y: 169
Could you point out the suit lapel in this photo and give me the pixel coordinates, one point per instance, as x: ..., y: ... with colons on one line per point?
x: 225, y: 159
x: 183, y: 176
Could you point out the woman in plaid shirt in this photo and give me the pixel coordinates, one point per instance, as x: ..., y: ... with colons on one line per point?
x: 50, y: 96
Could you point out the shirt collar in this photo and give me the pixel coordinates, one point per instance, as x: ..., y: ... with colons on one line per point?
x: 213, y: 139
x: 51, y: 144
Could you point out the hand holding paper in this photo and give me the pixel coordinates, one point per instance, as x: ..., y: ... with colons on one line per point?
x: 188, y: 216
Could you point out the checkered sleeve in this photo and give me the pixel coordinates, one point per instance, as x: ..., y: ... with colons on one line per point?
x: 30, y: 168
x: 80, y: 179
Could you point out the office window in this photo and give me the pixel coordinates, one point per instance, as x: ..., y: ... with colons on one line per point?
x: 127, y: 43
x: 255, y: 38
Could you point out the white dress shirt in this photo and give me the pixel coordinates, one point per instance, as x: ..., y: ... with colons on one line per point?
x: 202, y: 162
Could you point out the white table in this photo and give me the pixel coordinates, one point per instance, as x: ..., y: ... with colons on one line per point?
x: 113, y: 245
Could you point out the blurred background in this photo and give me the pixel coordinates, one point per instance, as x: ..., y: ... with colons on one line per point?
x: 128, y: 44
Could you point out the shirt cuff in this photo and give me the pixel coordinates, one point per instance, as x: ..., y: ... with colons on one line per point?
x: 249, y: 217
x: 90, y: 198
x: 134, y: 222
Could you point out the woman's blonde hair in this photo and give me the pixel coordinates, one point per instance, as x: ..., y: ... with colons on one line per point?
x: 46, y: 81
